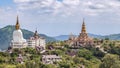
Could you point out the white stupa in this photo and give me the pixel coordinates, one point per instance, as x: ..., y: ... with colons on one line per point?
x: 18, y: 40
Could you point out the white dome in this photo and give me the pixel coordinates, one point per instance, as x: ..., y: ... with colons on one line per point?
x: 18, y: 36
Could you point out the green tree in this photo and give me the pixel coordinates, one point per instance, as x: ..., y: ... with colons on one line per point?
x: 110, y: 61
x: 30, y: 64
x: 114, y: 50
x: 64, y: 65
x: 76, y: 60
x: 48, y: 66
x: 85, y: 53
x: 20, y: 66
x: 4, y: 54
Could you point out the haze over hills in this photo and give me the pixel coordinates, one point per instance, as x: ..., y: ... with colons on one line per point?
x: 111, y: 37
x: 65, y: 37
x: 6, y: 36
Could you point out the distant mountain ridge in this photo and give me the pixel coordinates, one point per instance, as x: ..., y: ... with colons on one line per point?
x: 6, y: 36
x: 65, y: 37
x: 111, y: 37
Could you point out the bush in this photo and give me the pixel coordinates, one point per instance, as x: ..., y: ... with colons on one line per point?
x: 85, y: 53
x: 110, y: 61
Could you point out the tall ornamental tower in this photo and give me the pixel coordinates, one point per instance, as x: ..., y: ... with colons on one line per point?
x: 83, y: 39
x: 83, y: 35
x: 18, y: 40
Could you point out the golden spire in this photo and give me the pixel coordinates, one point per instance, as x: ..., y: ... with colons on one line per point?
x: 83, y: 27
x: 17, y: 26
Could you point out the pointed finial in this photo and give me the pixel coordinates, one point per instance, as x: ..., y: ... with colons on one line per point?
x: 83, y: 27
x: 36, y: 30
x: 36, y: 35
x: 17, y: 26
x: 83, y: 21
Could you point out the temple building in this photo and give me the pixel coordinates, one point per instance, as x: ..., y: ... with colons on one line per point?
x: 36, y: 41
x: 18, y: 40
x: 83, y: 40
x: 71, y: 39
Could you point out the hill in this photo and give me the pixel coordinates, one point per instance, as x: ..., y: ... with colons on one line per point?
x: 65, y: 37
x: 62, y: 37
x: 6, y: 36
x: 111, y: 37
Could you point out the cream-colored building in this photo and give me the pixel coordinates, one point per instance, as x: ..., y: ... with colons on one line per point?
x: 36, y: 40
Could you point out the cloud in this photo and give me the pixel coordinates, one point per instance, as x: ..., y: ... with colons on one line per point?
x: 71, y: 2
x: 23, y: 1
x: 60, y: 11
x: 68, y: 7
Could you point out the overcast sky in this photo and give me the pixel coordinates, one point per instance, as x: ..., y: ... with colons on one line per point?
x: 61, y: 17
